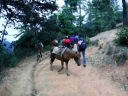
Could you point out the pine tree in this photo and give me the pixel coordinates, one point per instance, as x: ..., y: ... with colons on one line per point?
x: 125, y: 17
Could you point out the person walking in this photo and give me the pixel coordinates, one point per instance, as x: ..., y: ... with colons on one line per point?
x: 82, y: 48
x: 73, y: 40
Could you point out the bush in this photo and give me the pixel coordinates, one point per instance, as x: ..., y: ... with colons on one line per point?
x: 47, y: 48
x: 20, y: 53
x: 88, y: 41
x: 9, y: 60
x: 123, y: 37
x: 6, y: 59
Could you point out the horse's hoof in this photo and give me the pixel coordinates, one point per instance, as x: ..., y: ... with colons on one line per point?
x: 84, y: 65
x: 78, y: 64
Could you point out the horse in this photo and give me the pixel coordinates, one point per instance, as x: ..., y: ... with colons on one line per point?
x: 65, y: 57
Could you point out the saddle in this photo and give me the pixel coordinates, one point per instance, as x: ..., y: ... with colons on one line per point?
x: 59, y: 50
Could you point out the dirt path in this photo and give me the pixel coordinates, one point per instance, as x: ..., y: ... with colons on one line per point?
x: 32, y: 79
x: 15, y: 83
x: 20, y: 79
x: 82, y: 82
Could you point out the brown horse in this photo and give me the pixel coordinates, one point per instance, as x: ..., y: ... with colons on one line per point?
x: 65, y: 57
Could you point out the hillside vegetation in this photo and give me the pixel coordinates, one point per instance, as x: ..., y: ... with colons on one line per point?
x: 42, y: 20
x: 111, y: 57
x: 101, y: 77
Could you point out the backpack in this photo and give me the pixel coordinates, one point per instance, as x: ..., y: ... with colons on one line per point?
x: 67, y: 41
x: 82, y: 44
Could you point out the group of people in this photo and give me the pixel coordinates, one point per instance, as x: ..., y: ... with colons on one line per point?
x: 69, y: 42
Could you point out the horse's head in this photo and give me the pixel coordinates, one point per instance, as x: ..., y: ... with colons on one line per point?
x: 77, y: 58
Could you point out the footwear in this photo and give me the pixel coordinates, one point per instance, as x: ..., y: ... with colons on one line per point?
x: 84, y: 65
x: 78, y: 64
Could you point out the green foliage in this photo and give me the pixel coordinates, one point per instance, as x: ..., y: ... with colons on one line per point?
x: 30, y: 12
x: 9, y: 60
x: 21, y: 53
x: 66, y: 19
x: 72, y: 3
x: 102, y: 15
x: 25, y: 45
x: 88, y: 41
x: 6, y: 59
x: 119, y: 17
x: 48, y: 47
x: 123, y: 36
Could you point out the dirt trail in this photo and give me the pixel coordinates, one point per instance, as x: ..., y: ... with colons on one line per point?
x: 81, y: 82
x: 36, y: 79
x: 15, y: 83
x: 32, y: 79
x: 20, y: 79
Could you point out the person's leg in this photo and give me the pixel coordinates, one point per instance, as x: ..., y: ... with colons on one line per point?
x: 40, y: 54
x: 51, y: 61
x: 84, y: 58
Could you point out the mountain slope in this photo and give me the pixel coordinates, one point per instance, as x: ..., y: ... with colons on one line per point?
x: 36, y: 79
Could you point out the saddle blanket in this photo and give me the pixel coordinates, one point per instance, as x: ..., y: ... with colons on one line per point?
x: 75, y: 47
x: 59, y: 50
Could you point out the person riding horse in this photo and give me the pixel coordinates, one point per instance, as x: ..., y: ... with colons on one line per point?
x: 67, y: 42
x: 39, y: 47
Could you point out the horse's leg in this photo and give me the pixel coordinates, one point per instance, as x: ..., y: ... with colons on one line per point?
x: 62, y: 66
x: 67, y: 69
x: 38, y: 56
x: 51, y: 62
x: 41, y: 54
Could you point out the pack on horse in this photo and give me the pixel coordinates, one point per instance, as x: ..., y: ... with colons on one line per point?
x: 64, y: 54
x: 67, y: 42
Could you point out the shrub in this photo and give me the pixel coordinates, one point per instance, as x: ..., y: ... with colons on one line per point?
x: 47, y: 48
x: 123, y: 37
x: 6, y: 59
x: 10, y: 60
x: 88, y: 41
x: 20, y: 53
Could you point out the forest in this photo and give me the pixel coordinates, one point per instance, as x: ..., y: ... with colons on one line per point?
x: 103, y: 24
x: 43, y: 20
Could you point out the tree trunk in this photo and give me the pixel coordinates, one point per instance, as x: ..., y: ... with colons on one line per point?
x: 3, y: 32
x: 125, y: 17
x: 80, y: 17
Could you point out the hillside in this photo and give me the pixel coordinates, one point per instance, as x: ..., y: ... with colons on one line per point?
x: 110, y: 58
x: 97, y: 79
